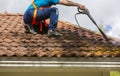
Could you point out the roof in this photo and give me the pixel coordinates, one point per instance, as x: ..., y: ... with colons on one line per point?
x: 75, y: 42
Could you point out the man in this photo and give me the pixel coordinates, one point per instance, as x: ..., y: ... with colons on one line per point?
x: 40, y: 10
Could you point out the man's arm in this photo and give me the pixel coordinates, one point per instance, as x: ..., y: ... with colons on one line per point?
x: 70, y: 3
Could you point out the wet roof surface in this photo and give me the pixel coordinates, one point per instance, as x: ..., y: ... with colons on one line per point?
x: 75, y: 42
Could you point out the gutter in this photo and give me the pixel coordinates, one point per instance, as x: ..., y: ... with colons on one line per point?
x: 59, y: 64
x: 71, y: 62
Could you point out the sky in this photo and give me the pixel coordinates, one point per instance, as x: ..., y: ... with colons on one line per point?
x: 105, y: 12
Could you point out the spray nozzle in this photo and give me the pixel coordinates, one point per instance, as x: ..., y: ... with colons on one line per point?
x: 83, y: 11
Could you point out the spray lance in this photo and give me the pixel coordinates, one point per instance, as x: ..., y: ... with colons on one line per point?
x: 90, y: 17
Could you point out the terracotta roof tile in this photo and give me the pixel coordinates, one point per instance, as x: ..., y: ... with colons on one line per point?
x: 75, y: 42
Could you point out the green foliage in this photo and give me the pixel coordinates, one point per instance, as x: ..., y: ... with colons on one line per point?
x: 115, y: 73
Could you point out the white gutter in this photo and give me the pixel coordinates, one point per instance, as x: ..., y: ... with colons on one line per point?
x: 59, y: 64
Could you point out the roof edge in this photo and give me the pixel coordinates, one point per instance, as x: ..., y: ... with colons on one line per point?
x: 11, y: 14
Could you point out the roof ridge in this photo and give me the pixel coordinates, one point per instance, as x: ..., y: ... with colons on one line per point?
x: 11, y: 14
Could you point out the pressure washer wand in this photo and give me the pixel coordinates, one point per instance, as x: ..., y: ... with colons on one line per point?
x: 90, y: 17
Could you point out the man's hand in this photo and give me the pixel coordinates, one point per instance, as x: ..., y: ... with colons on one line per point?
x: 82, y: 7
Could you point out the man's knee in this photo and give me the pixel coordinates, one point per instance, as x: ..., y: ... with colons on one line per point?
x: 54, y: 9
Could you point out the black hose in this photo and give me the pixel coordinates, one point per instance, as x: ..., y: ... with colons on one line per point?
x: 88, y: 14
x: 77, y: 19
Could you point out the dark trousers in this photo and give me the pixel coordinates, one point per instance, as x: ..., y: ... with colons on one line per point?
x: 46, y: 13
